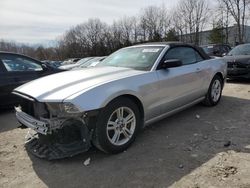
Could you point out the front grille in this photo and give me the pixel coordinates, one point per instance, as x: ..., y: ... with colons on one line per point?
x: 27, y: 107
x: 34, y: 108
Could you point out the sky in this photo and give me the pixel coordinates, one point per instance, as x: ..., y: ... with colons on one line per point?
x: 43, y: 21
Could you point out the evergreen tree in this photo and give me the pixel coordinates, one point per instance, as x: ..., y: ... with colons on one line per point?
x: 217, y: 34
x: 172, y: 35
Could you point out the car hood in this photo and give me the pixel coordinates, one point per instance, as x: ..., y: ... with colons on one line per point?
x: 238, y: 58
x: 57, y: 87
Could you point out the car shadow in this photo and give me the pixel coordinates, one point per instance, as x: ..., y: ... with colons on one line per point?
x: 162, y: 154
x: 7, y: 120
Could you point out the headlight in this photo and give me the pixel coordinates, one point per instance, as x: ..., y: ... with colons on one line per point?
x: 69, y: 108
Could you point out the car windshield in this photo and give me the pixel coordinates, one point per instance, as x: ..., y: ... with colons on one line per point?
x: 240, y: 50
x: 90, y: 62
x: 84, y: 60
x: 140, y: 58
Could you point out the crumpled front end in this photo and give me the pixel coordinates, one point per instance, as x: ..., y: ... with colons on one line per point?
x: 60, y: 129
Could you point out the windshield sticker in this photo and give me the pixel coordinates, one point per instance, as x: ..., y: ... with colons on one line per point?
x: 150, y: 50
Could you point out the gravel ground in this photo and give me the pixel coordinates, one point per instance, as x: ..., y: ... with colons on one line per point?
x: 199, y: 147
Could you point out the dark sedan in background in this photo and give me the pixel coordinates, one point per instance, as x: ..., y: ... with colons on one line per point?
x: 238, y: 61
x: 216, y: 50
x: 17, y: 69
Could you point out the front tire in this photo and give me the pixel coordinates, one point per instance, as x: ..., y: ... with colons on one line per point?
x: 117, y: 126
x: 213, y: 95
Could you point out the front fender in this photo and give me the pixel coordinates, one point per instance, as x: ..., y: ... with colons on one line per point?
x: 100, y: 96
x: 218, y: 66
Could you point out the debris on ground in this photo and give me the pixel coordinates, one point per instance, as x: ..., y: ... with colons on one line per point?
x: 87, y: 162
x: 194, y: 155
x: 208, y: 122
x: 198, y: 116
x: 189, y: 148
x: 171, y: 146
x: 181, y: 166
x: 205, y: 137
x: 216, y: 128
x: 227, y: 144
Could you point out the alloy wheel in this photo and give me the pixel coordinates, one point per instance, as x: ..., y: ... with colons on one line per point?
x: 121, y: 126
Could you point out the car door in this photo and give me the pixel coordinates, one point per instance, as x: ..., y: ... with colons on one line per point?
x: 180, y: 85
x: 3, y: 90
x: 17, y: 71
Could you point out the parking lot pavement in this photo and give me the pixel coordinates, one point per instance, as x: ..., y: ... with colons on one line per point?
x: 199, y: 147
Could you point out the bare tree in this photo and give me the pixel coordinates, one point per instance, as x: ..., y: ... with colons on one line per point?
x: 154, y: 23
x: 224, y: 18
x: 179, y: 24
x: 237, y: 8
x: 96, y: 38
x: 194, y: 13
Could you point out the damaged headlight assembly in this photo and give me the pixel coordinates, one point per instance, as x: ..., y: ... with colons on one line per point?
x: 60, y: 109
x: 69, y: 108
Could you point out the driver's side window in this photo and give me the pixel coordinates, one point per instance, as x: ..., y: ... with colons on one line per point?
x: 186, y: 54
x: 14, y: 63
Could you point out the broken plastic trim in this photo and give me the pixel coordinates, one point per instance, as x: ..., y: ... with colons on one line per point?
x: 72, y: 139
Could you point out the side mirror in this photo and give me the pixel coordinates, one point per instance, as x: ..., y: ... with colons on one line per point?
x: 170, y: 63
x: 44, y: 66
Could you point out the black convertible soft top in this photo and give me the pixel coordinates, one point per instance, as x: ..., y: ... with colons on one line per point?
x: 179, y: 44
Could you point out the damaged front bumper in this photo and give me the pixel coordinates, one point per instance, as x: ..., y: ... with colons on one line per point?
x: 30, y: 122
x: 70, y: 138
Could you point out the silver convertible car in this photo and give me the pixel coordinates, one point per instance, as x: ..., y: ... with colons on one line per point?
x: 107, y: 105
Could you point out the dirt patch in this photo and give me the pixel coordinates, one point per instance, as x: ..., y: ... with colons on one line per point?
x: 227, y: 169
x: 224, y: 171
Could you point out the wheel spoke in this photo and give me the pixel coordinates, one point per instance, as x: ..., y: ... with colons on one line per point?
x: 213, y: 96
x: 216, y: 85
x: 119, y: 113
x: 116, y: 137
x: 111, y: 125
x: 129, y: 118
x: 126, y: 133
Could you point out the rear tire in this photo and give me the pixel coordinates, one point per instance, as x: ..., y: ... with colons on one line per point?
x: 213, y: 95
x: 117, y: 126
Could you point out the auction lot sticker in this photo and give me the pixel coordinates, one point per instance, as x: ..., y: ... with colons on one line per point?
x: 150, y: 50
